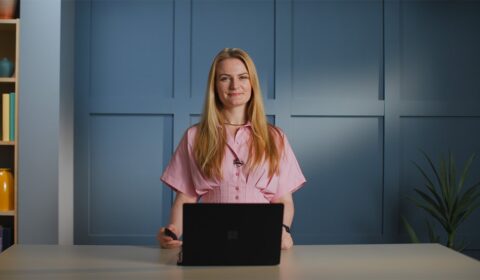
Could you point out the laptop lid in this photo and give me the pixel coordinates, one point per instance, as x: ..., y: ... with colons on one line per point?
x: 231, y: 234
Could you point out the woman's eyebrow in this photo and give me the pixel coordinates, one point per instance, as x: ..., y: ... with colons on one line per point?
x: 225, y: 74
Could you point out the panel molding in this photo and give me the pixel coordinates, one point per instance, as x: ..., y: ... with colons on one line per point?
x: 332, y: 146
x: 438, y: 109
x: 123, y: 176
x: 329, y: 107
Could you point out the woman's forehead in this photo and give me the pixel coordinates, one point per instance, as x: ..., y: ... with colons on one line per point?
x: 231, y: 66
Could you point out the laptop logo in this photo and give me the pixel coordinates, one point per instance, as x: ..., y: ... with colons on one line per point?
x: 232, y: 234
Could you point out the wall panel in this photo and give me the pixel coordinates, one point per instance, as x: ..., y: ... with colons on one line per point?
x: 124, y: 179
x: 131, y: 54
x: 345, y: 45
x: 440, y: 45
x: 342, y: 158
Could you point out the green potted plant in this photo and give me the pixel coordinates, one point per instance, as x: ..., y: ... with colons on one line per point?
x: 446, y: 199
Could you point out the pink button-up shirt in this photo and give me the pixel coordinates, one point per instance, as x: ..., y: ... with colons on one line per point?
x: 239, y: 185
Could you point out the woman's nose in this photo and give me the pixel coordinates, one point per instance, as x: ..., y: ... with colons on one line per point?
x: 233, y: 83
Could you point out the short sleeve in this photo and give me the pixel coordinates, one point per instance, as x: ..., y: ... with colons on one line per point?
x: 178, y: 175
x: 290, y: 176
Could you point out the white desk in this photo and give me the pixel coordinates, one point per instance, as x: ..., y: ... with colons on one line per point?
x: 405, y: 262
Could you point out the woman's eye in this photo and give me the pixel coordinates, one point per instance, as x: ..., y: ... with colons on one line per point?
x: 244, y: 77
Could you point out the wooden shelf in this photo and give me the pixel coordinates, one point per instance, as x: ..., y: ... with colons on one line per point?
x: 7, y: 143
x: 7, y: 80
x: 7, y: 213
x: 9, y: 21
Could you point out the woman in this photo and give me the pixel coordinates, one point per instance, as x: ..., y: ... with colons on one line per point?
x: 233, y: 155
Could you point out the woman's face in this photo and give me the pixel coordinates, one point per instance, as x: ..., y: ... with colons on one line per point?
x: 232, y: 82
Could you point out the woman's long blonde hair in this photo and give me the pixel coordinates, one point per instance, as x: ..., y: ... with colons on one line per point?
x: 209, y: 147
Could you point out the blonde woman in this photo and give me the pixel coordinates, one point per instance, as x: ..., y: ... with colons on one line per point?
x: 233, y: 155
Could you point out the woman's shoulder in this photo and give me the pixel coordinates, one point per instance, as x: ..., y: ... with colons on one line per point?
x: 277, y: 131
x: 189, y: 135
x: 193, y: 128
x: 278, y: 135
x: 191, y: 132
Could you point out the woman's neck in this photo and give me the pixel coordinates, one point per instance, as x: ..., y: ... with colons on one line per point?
x: 235, y: 116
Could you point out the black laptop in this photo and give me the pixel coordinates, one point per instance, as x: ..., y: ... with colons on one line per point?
x: 231, y: 234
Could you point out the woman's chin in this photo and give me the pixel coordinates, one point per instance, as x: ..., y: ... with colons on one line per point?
x: 235, y: 105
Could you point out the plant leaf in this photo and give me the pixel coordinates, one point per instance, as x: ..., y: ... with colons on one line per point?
x: 411, y: 232
x: 430, y: 186
x: 443, y: 184
x: 434, y: 213
x: 453, y: 190
x: 468, y: 195
x: 430, y: 183
x: 465, y: 172
x: 429, y: 200
x: 457, y: 220
x: 433, y: 168
x: 464, y: 207
x: 469, y: 212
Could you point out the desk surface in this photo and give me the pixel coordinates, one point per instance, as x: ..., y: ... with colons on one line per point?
x: 394, y: 261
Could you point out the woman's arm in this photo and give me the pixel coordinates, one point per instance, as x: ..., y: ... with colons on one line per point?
x: 288, y: 211
x: 176, y: 223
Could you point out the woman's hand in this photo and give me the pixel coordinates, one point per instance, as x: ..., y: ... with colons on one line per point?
x: 175, y: 225
x: 287, y: 241
x: 167, y: 242
x: 288, y: 210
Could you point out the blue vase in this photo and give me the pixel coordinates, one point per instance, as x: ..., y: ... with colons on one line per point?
x: 6, y: 67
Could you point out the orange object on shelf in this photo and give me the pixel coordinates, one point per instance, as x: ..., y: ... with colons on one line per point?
x: 6, y: 190
x: 7, y: 9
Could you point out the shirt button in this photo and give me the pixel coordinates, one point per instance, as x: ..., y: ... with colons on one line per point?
x: 236, y: 174
x: 236, y: 197
x: 237, y: 188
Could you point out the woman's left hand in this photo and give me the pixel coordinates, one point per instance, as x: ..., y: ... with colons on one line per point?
x: 287, y: 241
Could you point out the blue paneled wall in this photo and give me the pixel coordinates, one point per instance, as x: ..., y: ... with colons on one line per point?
x: 358, y: 86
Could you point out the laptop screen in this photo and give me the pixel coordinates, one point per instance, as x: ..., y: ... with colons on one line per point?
x: 231, y: 234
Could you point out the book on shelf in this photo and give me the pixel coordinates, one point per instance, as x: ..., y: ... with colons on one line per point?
x: 6, y: 238
x: 12, y: 116
x: 5, y: 117
x: 8, y: 117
